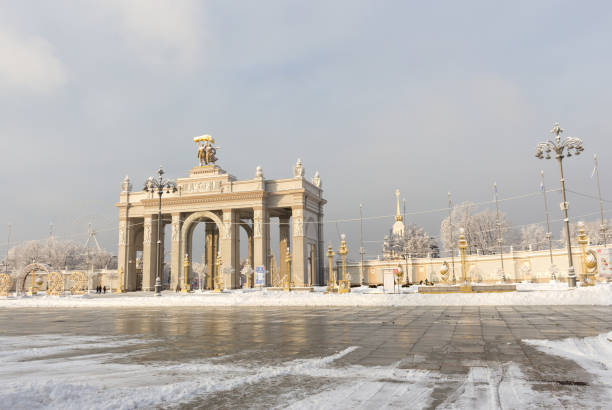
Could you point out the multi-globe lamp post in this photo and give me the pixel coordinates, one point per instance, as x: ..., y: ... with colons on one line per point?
x: 159, y: 185
x: 562, y: 148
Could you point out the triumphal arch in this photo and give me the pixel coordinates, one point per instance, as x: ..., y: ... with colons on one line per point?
x: 225, y: 205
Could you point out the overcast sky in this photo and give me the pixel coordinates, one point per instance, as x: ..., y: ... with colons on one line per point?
x: 427, y: 97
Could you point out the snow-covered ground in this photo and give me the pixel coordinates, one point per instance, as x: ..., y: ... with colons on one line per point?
x: 526, y: 294
x: 593, y: 354
x: 76, y: 372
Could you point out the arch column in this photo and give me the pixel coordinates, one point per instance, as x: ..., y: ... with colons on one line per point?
x: 284, y: 244
x: 298, y: 251
x: 149, y: 252
x: 229, y: 243
x: 261, y: 239
x: 176, y: 258
x: 212, y: 248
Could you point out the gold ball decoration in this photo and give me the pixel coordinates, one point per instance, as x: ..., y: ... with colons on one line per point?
x: 5, y: 284
x: 79, y: 283
x: 591, y: 260
x: 55, y: 284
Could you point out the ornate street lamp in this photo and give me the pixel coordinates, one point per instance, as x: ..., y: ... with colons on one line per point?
x: 331, y: 284
x: 216, y: 279
x: 559, y: 147
x: 583, y: 241
x: 462, y: 244
x: 185, y: 274
x: 159, y: 185
x: 287, y: 278
x: 345, y: 286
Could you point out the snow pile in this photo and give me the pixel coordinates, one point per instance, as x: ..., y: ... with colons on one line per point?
x: 593, y: 354
x: 594, y: 295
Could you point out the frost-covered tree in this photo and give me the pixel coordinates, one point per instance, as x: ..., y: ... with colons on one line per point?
x: 413, y: 241
x: 535, y: 236
x: 59, y: 254
x: 592, y: 230
x: 418, y: 243
x: 201, y: 270
x: 480, y: 229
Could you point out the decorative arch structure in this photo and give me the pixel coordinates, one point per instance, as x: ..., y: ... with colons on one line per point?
x: 211, y: 195
x: 30, y: 269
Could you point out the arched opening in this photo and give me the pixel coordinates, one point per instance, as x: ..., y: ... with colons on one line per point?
x: 204, y: 252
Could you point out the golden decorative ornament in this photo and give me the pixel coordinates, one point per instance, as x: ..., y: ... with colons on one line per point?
x: 5, y: 284
x: 591, y: 260
x: 444, y: 271
x: 55, y: 284
x: 203, y: 138
x: 79, y: 283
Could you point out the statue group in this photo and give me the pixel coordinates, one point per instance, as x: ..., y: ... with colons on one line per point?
x: 206, y: 151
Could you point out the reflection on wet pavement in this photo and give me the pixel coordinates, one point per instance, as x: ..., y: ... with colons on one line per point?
x: 293, y: 357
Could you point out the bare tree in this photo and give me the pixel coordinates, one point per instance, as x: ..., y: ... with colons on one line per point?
x: 59, y: 254
x: 592, y: 229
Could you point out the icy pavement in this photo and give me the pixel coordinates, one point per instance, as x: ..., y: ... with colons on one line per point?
x: 526, y: 294
x: 77, y: 373
x: 261, y: 357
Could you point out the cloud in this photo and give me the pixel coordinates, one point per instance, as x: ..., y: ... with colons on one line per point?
x: 161, y: 31
x: 28, y: 63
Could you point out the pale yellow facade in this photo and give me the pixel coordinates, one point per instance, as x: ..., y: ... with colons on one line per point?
x: 519, y: 266
x: 211, y: 195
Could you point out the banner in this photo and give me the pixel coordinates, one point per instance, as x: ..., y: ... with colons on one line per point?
x: 260, y: 276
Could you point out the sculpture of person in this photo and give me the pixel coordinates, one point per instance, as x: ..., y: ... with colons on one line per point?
x: 210, y: 154
x: 201, y: 153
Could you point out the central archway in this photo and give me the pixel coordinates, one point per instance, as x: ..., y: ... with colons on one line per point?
x: 186, y: 244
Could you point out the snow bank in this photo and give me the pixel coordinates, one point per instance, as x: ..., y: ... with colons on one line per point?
x: 594, y: 295
x: 593, y: 354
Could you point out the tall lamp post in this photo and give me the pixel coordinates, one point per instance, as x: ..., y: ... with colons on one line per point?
x: 345, y: 285
x: 452, y: 240
x: 499, y: 233
x: 602, y: 228
x: 559, y: 147
x: 159, y: 185
x: 548, y: 233
x: 462, y: 244
x: 361, y: 248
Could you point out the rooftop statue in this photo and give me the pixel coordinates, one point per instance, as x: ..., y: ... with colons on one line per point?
x: 206, y: 152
